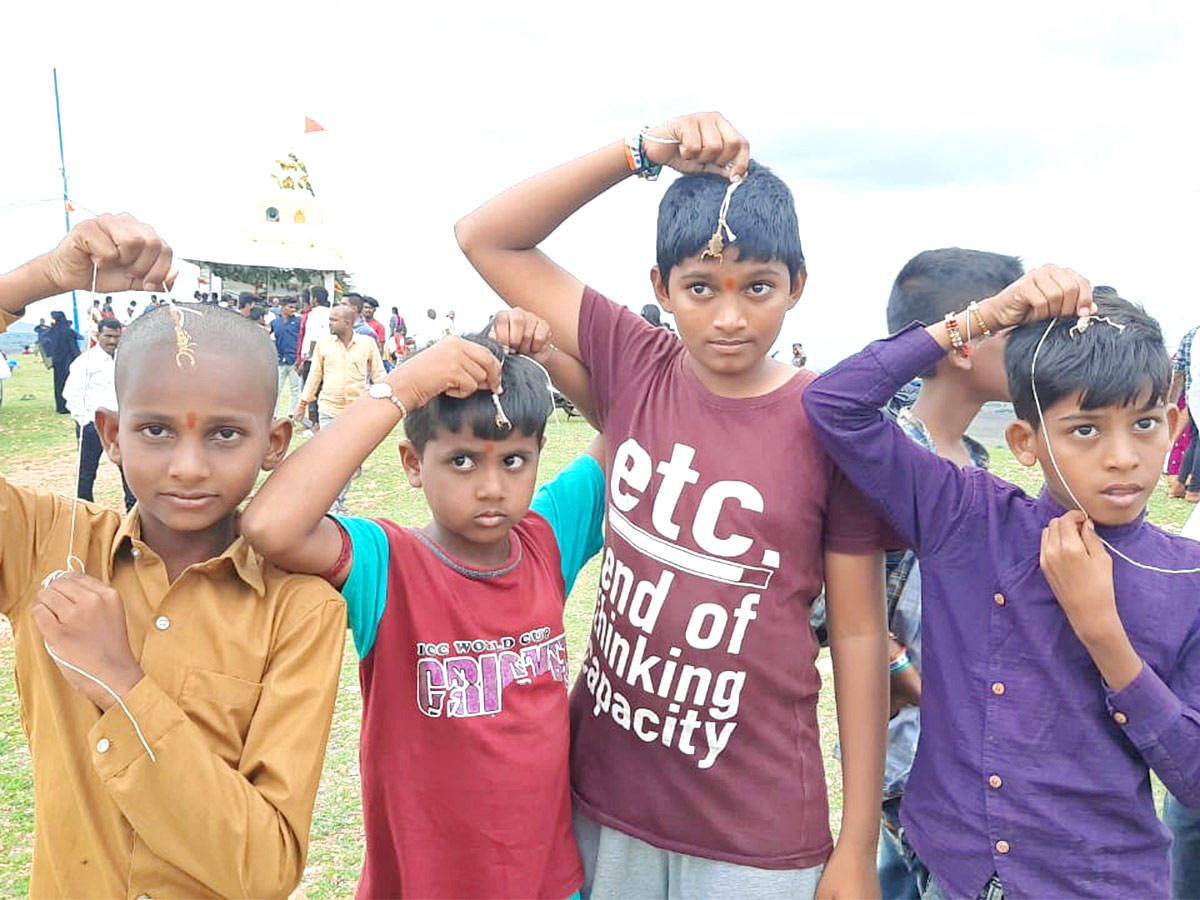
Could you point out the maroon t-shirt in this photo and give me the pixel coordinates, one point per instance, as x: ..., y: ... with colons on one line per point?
x: 694, y: 719
x: 475, y: 663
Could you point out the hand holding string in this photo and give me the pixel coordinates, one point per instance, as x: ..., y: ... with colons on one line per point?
x: 109, y: 253
x: 698, y: 143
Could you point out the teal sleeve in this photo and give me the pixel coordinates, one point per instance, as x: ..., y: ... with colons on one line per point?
x: 573, y: 504
x: 366, y: 587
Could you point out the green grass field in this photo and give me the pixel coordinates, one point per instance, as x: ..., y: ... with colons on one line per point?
x: 37, y: 449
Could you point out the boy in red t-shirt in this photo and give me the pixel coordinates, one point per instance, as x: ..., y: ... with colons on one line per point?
x: 458, y: 625
x: 696, y: 766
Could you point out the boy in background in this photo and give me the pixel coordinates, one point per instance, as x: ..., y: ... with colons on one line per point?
x: 930, y: 285
x: 459, y: 624
x: 1055, y: 678
x: 696, y: 769
x: 200, y: 782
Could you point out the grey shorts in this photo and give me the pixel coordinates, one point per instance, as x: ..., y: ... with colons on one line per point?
x: 619, y: 867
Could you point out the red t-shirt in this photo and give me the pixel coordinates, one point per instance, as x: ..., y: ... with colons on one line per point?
x: 377, y: 327
x: 694, y: 724
x: 464, y: 726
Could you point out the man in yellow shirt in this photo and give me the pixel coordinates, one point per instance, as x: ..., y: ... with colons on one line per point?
x: 200, y: 780
x: 344, y: 363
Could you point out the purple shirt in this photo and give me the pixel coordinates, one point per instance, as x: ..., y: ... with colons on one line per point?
x: 1028, y: 766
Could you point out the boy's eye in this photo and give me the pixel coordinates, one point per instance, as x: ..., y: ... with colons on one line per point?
x: 461, y: 462
x: 1084, y: 431
x: 514, y: 462
x: 226, y: 434
x: 761, y: 288
x: 154, y: 430
x: 1147, y: 424
x: 699, y: 290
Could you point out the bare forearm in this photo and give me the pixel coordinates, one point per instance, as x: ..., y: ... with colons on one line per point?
x: 526, y: 214
x: 858, y: 641
x: 1114, y: 656
x: 24, y: 285
x: 290, y: 506
x: 860, y: 684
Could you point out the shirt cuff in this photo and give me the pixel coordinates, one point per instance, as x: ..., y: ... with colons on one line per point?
x: 114, y: 740
x: 1144, y: 708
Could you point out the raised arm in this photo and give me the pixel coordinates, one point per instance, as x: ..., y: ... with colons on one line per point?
x: 129, y: 256
x: 286, y: 521
x: 922, y: 495
x: 501, y: 238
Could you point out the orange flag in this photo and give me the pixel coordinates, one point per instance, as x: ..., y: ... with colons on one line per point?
x: 311, y: 125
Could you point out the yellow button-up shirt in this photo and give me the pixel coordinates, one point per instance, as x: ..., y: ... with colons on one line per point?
x: 241, y: 662
x: 341, y: 372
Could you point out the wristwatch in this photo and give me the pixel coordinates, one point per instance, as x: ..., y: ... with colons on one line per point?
x: 381, y: 390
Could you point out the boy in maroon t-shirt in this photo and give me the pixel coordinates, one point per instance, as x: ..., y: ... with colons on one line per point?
x: 458, y: 625
x: 696, y: 767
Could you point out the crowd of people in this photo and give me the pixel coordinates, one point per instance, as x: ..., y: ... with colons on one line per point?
x: 1009, y: 669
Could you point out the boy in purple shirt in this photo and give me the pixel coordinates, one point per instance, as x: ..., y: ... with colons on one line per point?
x: 1050, y: 690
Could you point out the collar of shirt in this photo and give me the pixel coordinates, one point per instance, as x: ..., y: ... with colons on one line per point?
x: 244, y: 560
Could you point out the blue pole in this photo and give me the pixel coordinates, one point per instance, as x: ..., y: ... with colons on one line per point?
x: 66, y: 201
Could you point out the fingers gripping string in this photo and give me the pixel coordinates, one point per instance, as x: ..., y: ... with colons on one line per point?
x: 502, y: 420
x: 1079, y: 328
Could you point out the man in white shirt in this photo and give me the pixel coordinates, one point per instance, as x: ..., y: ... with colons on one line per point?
x: 89, y: 387
x: 314, y: 326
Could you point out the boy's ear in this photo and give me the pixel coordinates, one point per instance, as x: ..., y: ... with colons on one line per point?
x: 797, y: 286
x: 108, y: 428
x: 411, y: 460
x: 278, y: 439
x: 1172, y: 417
x: 660, y: 289
x: 1022, y: 441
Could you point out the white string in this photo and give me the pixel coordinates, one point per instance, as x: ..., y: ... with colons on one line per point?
x: 502, y: 420
x: 62, y: 662
x: 721, y: 223
x: 1050, y: 449
x: 646, y: 136
x: 74, y: 563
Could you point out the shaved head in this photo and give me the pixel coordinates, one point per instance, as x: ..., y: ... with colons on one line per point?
x: 150, y: 342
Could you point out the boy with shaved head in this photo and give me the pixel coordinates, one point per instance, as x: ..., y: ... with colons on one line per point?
x: 200, y: 780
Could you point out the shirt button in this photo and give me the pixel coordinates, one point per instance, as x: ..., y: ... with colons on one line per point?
x: 1120, y: 718
x: 998, y: 688
x: 996, y: 781
x: 102, y: 745
x: 998, y: 599
x: 162, y: 623
x: 1002, y: 847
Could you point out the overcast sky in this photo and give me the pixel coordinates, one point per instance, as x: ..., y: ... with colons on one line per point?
x: 1060, y: 132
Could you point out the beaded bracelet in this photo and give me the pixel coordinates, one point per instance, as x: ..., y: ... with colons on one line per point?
x: 956, y: 340
x: 973, y: 308
x: 636, y: 157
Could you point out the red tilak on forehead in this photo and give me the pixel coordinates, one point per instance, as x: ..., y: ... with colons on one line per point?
x: 191, y: 421
x: 729, y: 283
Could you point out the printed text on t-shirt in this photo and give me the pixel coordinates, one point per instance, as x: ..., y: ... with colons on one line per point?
x: 463, y: 678
x: 621, y: 673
